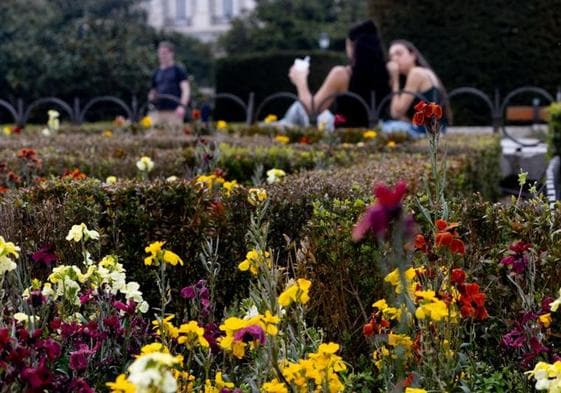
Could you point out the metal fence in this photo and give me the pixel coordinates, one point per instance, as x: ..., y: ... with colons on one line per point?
x: 77, y: 112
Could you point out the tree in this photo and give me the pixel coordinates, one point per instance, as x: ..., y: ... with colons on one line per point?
x: 84, y: 48
x: 292, y: 24
x: 500, y: 44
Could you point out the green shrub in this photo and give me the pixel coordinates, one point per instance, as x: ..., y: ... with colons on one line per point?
x: 554, y: 130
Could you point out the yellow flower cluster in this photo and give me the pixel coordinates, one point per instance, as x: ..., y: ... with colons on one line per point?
x: 547, y: 376
x: 270, y: 118
x: 282, y: 139
x: 221, y: 125
x: 430, y: 306
x: 394, y: 279
x: 256, y: 195
x: 415, y: 390
x: 218, y: 385
x: 297, y: 292
x: 267, y: 322
x: 158, y: 255
x: 319, y: 370
x: 7, y: 249
x: 388, y: 312
x: 397, y: 343
x: 165, y: 327
x: 191, y: 335
x: 254, y: 260
x: 146, y: 122
x: 369, y: 134
x: 209, y: 181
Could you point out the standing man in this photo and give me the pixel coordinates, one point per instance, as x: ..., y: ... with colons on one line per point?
x: 169, y: 79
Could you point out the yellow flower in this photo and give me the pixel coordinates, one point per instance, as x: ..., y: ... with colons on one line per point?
x: 158, y: 255
x: 7, y: 130
x: 431, y: 306
x: 146, y: 122
x: 545, y: 320
x: 270, y: 118
x: 274, y: 387
x: 297, y: 292
x: 402, y: 340
x: 121, y: 385
x: 151, y: 348
x: 391, y: 144
x: 229, y: 186
x: 192, y: 334
x: 166, y: 327
x: 269, y: 322
x: 554, y: 305
x: 221, y: 125
x: 282, y: 139
x: 111, y: 180
x: 254, y: 259
x: 394, y: 279
x: 369, y: 134
x: 220, y: 383
x: 209, y: 181
x: 107, y: 133
x: 256, y: 195
x: 415, y: 390
x: 380, y: 304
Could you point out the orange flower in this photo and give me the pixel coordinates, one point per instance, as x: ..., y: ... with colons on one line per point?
x: 196, y: 114
x: 448, y: 237
x: 75, y: 174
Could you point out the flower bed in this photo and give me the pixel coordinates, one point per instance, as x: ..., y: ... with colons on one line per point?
x: 311, y: 283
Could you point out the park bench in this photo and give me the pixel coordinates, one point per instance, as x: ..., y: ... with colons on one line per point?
x: 526, y: 113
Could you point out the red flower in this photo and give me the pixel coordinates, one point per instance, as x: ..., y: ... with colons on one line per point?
x: 305, y: 140
x: 196, y: 114
x: 368, y: 329
x: 458, y: 276
x: 472, y: 302
x: 427, y: 115
x: 419, y: 119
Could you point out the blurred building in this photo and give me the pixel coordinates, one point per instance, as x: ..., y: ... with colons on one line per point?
x: 204, y: 19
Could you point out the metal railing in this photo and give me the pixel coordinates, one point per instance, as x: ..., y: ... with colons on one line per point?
x: 77, y: 113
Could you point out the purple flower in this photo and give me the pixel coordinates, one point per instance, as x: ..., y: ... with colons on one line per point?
x: 79, y: 359
x: 51, y: 347
x: 252, y: 333
x: 45, y: 255
x: 79, y: 385
x: 517, y: 259
x: 38, y: 377
x: 188, y: 292
x: 379, y: 216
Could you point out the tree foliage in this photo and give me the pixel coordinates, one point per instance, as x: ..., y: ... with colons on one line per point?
x: 84, y: 48
x: 292, y: 24
x: 494, y: 44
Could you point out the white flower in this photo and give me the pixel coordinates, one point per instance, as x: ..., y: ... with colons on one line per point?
x: 78, y: 231
x: 152, y: 371
x: 6, y: 265
x: 172, y: 179
x: 46, y: 132
x: 143, y: 307
x: 53, y: 123
x: 275, y: 175
x: 145, y: 164
x: 24, y: 318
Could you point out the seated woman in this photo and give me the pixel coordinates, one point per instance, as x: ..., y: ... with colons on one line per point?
x: 408, y: 64
x: 365, y: 74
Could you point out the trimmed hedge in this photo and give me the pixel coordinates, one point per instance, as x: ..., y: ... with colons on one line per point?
x: 266, y: 74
